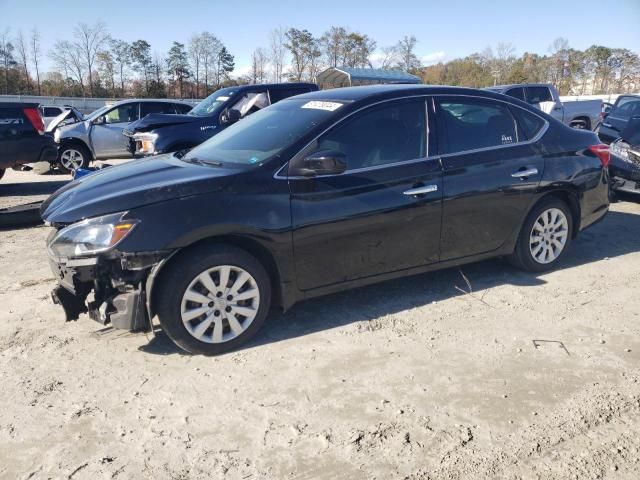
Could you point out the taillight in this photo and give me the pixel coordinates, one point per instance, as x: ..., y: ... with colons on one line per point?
x: 602, y: 152
x: 33, y: 114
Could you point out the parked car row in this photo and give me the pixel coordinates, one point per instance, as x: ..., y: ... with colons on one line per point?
x: 22, y: 136
x: 584, y: 114
x: 315, y: 194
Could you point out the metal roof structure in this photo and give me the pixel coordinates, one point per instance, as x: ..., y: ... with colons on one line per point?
x: 336, y: 77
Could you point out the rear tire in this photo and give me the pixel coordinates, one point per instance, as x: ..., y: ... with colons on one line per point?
x: 213, y: 299
x: 545, y: 236
x: 73, y: 156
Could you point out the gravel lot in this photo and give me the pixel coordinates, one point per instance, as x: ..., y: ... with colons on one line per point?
x: 407, y: 379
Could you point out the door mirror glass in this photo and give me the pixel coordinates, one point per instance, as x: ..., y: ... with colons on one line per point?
x: 325, y: 162
x: 606, y: 108
x: 100, y: 120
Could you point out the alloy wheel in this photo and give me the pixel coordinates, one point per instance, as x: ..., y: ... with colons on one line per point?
x: 549, y: 235
x: 220, y: 304
x: 71, y: 159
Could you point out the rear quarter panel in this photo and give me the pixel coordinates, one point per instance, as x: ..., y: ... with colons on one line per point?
x: 571, y: 167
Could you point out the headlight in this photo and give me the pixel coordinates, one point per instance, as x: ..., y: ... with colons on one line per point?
x: 90, y: 236
x: 620, y: 150
x: 146, y: 142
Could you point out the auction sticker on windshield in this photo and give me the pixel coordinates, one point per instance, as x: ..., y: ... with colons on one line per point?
x: 329, y: 106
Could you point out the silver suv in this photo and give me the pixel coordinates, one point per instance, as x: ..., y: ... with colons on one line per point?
x: 99, y: 135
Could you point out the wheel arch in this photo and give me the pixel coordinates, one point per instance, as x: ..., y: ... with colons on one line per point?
x: 75, y: 141
x: 582, y: 118
x: 249, y: 245
x: 568, y: 195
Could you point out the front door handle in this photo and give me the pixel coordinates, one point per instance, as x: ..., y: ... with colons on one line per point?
x: 529, y: 172
x: 421, y: 190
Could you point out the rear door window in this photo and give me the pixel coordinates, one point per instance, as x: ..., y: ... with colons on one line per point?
x: 181, y: 108
x: 536, y: 95
x: 155, y: 107
x: 529, y: 124
x: 516, y: 93
x: 466, y: 124
x: 51, y: 112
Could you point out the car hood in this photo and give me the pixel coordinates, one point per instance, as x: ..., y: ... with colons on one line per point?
x: 131, y: 185
x: 68, y: 116
x: 156, y: 120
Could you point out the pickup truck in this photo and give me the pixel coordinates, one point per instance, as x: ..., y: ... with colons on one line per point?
x: 616, y: 117
x: 159, y: 133
x: 582, y: 114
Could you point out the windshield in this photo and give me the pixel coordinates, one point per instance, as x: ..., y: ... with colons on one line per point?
x: 210, y: 104
x: 264, y: 134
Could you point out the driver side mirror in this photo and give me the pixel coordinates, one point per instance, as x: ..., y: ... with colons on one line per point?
x: 324, y: 162
x: 231, y: 116
x: 606, y: 109
x: 100, y: 120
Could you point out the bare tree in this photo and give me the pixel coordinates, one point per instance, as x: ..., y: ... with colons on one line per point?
x: 89, y: 41
x: 277, y: 52
x: 389, y: 57
x: 196, y: 47
x: 36, y: 54
x: 68, y: 57
x: 121, y: 51
x: 505, y: 56
x: 258, y: 65
x: 211, y: 48
x: 408, y: 60
x: 23, y: 57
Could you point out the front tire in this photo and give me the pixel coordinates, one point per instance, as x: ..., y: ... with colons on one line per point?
x: 213, y: 299
x: 545, y: 236
x: 73, y: 156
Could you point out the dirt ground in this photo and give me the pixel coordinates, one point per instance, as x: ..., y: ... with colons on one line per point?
x: 524, y: 377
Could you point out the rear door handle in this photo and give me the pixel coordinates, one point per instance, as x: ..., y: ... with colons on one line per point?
x: 529, y: 172
x: 421, y: 190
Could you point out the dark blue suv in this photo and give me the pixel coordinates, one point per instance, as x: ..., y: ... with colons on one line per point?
x: 164, y: 133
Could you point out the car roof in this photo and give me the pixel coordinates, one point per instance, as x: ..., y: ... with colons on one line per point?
x: 146, y: 100
x: 376, y: 92
x: 278, y: 85
x: 512, y: 85
x: 18, y: 105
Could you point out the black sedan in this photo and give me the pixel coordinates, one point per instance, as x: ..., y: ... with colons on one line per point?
x: 316, y: 194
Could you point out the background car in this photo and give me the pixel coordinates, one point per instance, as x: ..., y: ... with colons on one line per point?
x: 624, y: 166
x: 50, y: 112
x: 159, y: 133
x: 581, y: 114
x: 617, y: 117
x: 316, y: 194
x: 22, y: 136
x: 99, y: 135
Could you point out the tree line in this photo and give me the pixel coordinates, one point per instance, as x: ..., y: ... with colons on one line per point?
x: 92, y: 63
x: 596, y: 70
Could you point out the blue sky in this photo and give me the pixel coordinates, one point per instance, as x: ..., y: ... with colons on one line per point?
x: 444, y: 29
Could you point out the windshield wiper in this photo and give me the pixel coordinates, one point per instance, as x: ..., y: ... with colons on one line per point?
x: 199, y: 161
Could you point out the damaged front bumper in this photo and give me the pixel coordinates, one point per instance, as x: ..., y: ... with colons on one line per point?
x: 112, y: 289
